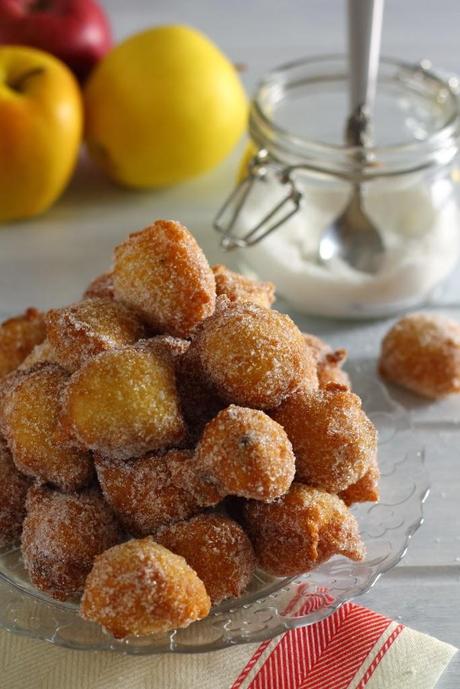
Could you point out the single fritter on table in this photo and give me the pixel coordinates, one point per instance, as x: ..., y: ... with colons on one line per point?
x: 170, y: 396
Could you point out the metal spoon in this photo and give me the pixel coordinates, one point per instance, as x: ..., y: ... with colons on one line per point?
x: 353, y: 237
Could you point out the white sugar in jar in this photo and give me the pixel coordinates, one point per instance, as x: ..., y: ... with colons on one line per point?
x: 303, y: 168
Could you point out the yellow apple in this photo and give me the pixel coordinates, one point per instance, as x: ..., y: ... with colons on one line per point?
x: 163, y: 106
x: 40, y: 130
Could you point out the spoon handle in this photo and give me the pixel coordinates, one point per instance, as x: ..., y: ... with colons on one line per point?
x: 364, y: 34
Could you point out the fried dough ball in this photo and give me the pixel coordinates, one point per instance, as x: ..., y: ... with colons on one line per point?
x: 254, y: 356
x: 200, y: 400
x: 162, y: 273
x: 62, y: 535
x: 244, y: 452
x: 79, y: 331
x: 13, y: 491
x: 333, y: 440
x: 218, y: 550
x: 329, y: 362
x: 241, y: 288
x: 100, y: 287
x: 41, y: 353
x: 123, y: 403
x: 173, y: 348
x: 139, y: 587
x: 300, y: 530
x: 32, y: 408
x: 18, y: 336
x: 421, y: 352
x: 154, y: 490
x: 366, y: 489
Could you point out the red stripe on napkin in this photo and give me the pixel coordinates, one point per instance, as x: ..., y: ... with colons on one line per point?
x: 325, y: 655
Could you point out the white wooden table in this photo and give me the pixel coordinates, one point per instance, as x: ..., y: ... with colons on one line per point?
x: 48, y: 261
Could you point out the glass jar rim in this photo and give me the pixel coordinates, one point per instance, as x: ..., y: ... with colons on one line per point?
x: 276, y: 138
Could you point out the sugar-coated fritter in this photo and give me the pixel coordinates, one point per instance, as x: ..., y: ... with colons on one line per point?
x: 139, y: 588
x: 162, y: 273
x: 13, y: 491
x: 18, y: 336
x: 124, y: 403
x: 217, y: 548
x: 62, y: 535
x: 82, y: 330
x: 31, y: 412
x: 300, y: 530
x: 41, y: 353
x: 254, y: 356
x: 245, y: 453
x: 241, y: 288
x: 174, y: 348
x: 101, y: 287
x: 329, y: 362
x: 333, y: 440
x: 421, y: 352
x: 366, y: 489
x: 154, y: 490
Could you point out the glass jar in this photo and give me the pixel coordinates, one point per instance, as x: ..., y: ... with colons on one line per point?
x: 301, y: 174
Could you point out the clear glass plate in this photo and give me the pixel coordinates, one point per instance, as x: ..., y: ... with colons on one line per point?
x: 270, y: 606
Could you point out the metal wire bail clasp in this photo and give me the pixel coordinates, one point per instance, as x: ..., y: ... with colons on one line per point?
x: 226, y: 219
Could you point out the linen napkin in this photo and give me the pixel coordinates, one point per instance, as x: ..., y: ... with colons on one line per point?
x: 351, y: 649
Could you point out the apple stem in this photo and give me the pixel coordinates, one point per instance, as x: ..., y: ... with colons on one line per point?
x: 18, y: 84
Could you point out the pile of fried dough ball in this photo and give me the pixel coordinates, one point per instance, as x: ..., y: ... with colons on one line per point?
x: 171, y: 432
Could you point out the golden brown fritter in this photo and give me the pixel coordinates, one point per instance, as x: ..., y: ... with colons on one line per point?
x: 82, y: 330
x: 333, y: 440
x: 124, y: 403
x: 62, y: 535
x: 217, y: 548
x: 255, y: 357
x: 162, y: 273
x: 245, y: 453
x: 101, y: 287
x: 31, y: 412
x: 421, y: 352
x: 241, y: 288
x: 18, y: 336
x: 139, y: 587
x: 154, y: 490
x: 300, y: 530
x: 13, y: 491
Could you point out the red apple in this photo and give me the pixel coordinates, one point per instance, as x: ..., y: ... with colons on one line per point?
x: 76, y: 31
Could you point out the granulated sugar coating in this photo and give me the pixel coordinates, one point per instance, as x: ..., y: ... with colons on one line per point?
x: 300, y: 530
x: 421, y: 352
x: 124, y: 403
x: 41, y: 353
x: 13, y: 490
x: 173, y: 348
x: 240, y: 288
x: 79, y: 331
x: 155, y: 490
x: 101, y: 287
x: 218, y: 550
x: 162, y: 273
x: 245, y: 453
x: 18, y: 336
x: 329, y: 362
x: 255, y: 356
x: 31, y: 411
x: 140, y: 587
x: 334, y: 441
x: 62, y: 535
x: 366, y: 489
